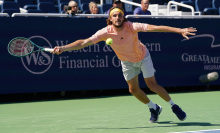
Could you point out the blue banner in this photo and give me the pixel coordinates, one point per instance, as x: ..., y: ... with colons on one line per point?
x: 178, y: 62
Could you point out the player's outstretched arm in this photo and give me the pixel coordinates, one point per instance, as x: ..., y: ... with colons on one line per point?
x: 184, y: 32
x: 79, y: 44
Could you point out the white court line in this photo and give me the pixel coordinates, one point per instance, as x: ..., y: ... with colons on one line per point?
x: 201, y: 131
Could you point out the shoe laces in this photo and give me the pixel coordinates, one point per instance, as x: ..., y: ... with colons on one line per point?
x: 178, y: 109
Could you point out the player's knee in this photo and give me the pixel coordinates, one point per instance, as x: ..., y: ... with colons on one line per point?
x: 132, y: 89
x: 153, y: 89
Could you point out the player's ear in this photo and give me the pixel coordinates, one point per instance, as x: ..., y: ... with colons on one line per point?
x: 110, y: 18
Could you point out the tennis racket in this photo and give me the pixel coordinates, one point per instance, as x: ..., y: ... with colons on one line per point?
x: 21, y: 47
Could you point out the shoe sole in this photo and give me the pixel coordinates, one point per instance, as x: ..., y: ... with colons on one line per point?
x: 183, y: 119
x: 158, y: 115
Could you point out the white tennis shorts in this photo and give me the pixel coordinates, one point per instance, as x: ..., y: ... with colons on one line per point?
x: 130, y: 70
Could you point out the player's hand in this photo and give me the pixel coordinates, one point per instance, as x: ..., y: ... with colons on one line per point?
x: 188, y: 31
x: 58, y: 50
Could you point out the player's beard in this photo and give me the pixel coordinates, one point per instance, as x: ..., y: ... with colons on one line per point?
x: 118, y: 26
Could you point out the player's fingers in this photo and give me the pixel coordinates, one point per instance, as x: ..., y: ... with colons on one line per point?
x: 58, y: 51
x: 55, y: 51
x: 192, y: 30
x: 191, y: 33
x: 186, y: 37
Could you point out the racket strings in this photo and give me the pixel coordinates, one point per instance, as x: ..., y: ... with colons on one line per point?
x: 20, y: 47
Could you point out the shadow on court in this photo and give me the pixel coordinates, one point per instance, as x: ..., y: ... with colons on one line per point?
x: 160, y: 124
x: 189, y: 123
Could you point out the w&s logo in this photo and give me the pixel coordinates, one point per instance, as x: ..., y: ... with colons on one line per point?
x: 39, y: 62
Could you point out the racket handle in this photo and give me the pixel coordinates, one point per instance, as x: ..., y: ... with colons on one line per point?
x: 48, y: 49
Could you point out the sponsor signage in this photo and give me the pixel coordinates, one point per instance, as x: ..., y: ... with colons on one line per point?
x: 178, y: 62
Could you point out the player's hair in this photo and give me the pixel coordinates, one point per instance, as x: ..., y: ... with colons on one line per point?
x: 108, y: 19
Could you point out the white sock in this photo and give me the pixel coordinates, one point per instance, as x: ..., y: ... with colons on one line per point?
x: 171, y: 102
x: 151, y: 105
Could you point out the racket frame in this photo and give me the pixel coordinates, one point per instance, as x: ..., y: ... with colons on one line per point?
x: 32, y: 51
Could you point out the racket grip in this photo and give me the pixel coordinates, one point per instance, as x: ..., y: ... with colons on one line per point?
x: 48, y: 49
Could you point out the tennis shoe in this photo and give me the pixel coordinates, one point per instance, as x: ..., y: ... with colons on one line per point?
x: 179, y: 112
x: 155, y: 114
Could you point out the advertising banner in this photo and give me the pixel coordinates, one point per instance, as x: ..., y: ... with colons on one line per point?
x: 178, y: 62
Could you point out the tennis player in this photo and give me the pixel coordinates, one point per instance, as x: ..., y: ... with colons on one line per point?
x: 134, y: 56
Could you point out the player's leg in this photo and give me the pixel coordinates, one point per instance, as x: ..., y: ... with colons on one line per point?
x: 135, y: 90
x: 153, y: 86
x: 131, y: 72
x: 148, y: 73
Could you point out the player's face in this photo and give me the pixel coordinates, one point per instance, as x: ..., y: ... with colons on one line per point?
x: 117, y: 19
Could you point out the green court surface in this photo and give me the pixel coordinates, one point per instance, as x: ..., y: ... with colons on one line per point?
x: 116, y: 114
